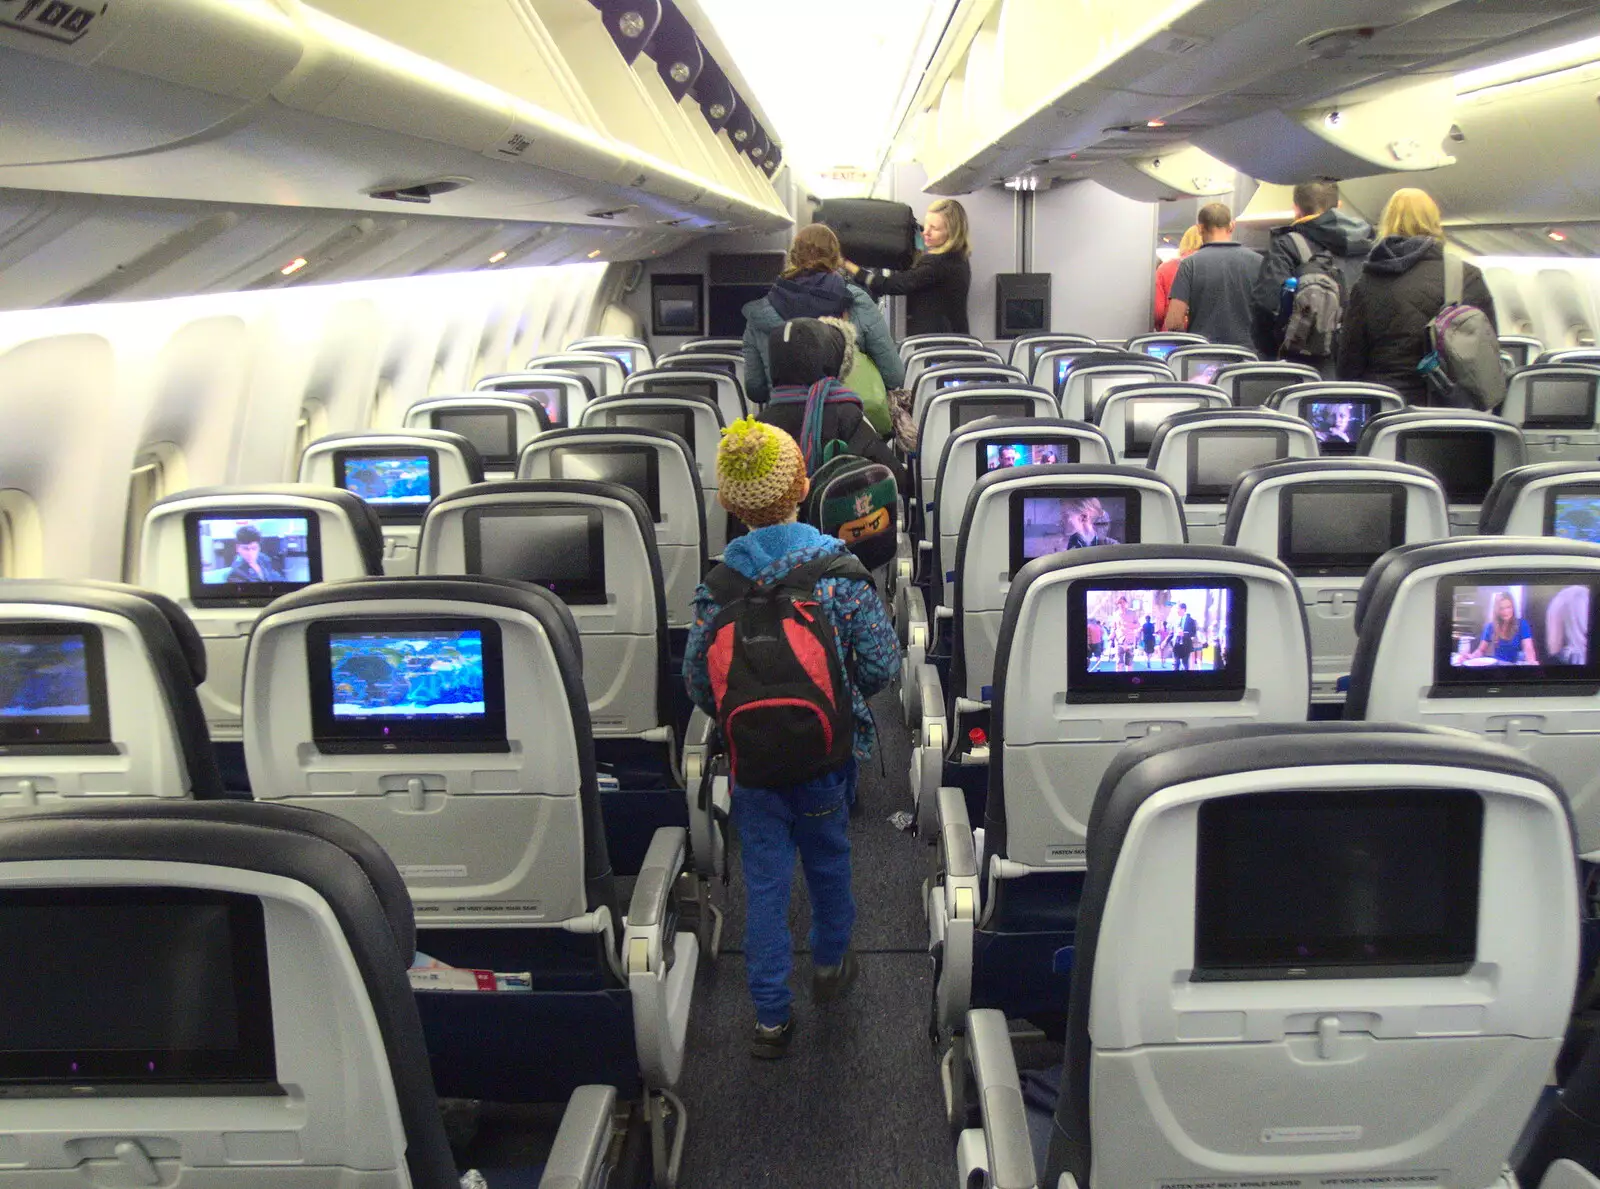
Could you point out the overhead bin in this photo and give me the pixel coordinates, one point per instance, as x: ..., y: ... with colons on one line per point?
x: 1183, y: 172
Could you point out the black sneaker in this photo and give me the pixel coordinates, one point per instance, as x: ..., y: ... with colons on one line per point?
x: 771, y: 1044
x: 833, y: 982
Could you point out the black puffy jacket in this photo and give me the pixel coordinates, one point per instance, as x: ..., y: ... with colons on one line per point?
x: 1386, y: 319
x: 935, y: 289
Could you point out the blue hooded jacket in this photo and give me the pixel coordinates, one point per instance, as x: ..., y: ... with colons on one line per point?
x: 868, y: 646
x: 815, y: 295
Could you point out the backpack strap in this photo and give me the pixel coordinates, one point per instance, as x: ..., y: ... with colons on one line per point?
x: 804, y: 578
x: 1302, y: 248
x: 1455, y: 271
x: 726, y: 585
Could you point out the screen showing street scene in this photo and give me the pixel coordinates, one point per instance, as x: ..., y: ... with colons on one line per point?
x: 1159, y: 631
x: 427, y: 675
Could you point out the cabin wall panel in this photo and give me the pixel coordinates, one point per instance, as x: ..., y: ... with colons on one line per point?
x: 1098, y: 247
x: 991, y: 219
x: 1559, y: 298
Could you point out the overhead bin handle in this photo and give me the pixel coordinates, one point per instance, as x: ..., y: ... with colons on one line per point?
x: 631, y: 23
x: 678, y: 54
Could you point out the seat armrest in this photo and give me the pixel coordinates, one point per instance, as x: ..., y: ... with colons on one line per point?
x: 1005, y: 1119
x: 700, y: 729
x: 1565, y: 1174
x: 580, y: 1147
x: 928, y: 745
x: 955, y: 831
x: 916, y: 619
x: 657, y: 877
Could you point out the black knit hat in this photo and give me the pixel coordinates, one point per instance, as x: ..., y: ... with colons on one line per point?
x: 804, y: 350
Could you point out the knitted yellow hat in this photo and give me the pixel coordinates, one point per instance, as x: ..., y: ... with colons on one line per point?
x: 761, y: 473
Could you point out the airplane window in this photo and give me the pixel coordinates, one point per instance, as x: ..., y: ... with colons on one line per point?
x: 312, y: 424
x: 157, y: 470
x: 21, y: 543
x: 385, y: 405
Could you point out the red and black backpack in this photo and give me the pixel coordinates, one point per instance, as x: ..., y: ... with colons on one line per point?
x: 783, y: 699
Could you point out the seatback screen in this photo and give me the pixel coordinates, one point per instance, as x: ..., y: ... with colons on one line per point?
x: 1462, y: 461
x: 1201, y: 370
x: 1167, y: 640
x: 1531, y: 631
x: 1045, y: 521
x: 970, y: 409
x: 1252, y: 392
x: 999, y: 456
x: 1337, y: 884
x: 124, y: 986
x: 251, y: 558
x: 1339, y: 528
x: 1023, y: 314
x: 399, y: 484
x: 1573, y: 513
x: 1160, y: 348
x: 623, y: 355
x: 1339, y: 424
x: 724, y: 367
x: 678, y: 421
x: 637, y: 468
x: 551, y: 397
x: 1560, y: 402
x: 493, y: 432
x: 561, y: 548
x: 705, y: 389
x: 1142, y: 417
x: 52, y: 687
x: 1218, y: 457
x: 595, y: 373
x: 422, y: 684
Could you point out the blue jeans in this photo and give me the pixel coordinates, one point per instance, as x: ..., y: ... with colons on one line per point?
x: 773, y: 823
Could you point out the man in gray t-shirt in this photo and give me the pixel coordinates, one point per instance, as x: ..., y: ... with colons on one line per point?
x: 1211, y: 293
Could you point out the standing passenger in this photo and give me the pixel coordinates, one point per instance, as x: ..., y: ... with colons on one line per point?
x: 1211, y: 292
x: 763, y: 482
x: 811, y: 287
x: 1401, y: 289
x: 1346, y: 238
x: 1187, y: 246
x: 936, y: 286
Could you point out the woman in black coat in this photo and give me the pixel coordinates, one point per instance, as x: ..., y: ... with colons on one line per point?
x: 1400, y: 291
x: 936, y: 286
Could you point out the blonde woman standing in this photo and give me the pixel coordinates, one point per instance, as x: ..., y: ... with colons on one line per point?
x: 936, y: 286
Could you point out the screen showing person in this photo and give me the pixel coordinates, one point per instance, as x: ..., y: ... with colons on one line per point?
x: 559, y: 548
x: 1339, y: 528
x: 383, y: 685
x: 1573, y: 514
x: 251, y: 556
x: 1162, y: 641
x: 998, y: 456
x: 1203, y: 371
x: 1339, y: 424
x: 1337, y: 884
x: 1534, y: 633
x: 492, y: 432
x: 965, y: 412
x: 1555, y: 402
x: 388, y: 481
x: 1044, y: 522
x: 551, y: 398
x: 1142, y: 417
x: 678, y: 421
x: 52, y: 686
x: 1217, y: 458
x: 1159, y: 350
x: 635, y: 467
x: 189, y: 1005
x: 624, y: 356
x: 1462, y: 461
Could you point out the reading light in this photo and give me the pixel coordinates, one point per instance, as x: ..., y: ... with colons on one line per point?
x: 594, y: 253
x: 718, y: 110
x: 680, y: 72
x: 1559, y: 236
x: 498, y: 257
x: 1155, y: 123
x: 293, y: 266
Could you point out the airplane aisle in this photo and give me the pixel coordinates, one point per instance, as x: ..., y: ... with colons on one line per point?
x: 857, y: 1102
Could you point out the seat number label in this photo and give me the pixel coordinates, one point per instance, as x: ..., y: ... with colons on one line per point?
x: 53, y: 19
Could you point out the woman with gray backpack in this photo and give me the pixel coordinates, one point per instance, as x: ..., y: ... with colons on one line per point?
x: 1418, y: 321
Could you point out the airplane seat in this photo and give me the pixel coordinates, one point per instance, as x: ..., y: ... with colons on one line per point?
x: 1545, y: 499
x: 1562, y: 1144
x: 1162, y: 343
x: 1012, y: 516
x: 1557, y: 407
x: 1338, y: 411
x: 923, y: 358
x: 659, y: 468
x: 949, y: 409
x: 101, y: 699
x: 1587, y: 356
x: 1130, y: 415
x: 1024, y: 350
x: 715, y: 346
x: 1465, y: 449
x: 1228, y: 645
x: 722, y: 363
x: 398, y: 473
x: 1258, y: 994
x: 1524, y: 349
x: 498, y: 424
x: 196, y: 551
x: 1251, y: 385
x: 721, y: 389
x: 483, y: 786
x: 1054, y: 366
x: 1428, y: 651
x: 1329, y: 520
x: 605, y: 373
x: 1089, y: 383
x: 925, y: 342
x: 593, y: 546
x: 633, y: 354
x: 1202, y: 454
x: 564, y: 395
x: 699, y: 422
x: 204, y: 1068
x: 945, y: 376
x: 1200, y: 363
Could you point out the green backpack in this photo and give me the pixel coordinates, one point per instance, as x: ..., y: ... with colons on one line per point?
x: 866, y: 381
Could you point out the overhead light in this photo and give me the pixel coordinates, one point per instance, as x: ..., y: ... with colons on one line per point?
x: 1573, y: 56
x: 293, y: 266
x: 1559, y: 236
x: 594, y: 253
x: 498, y: 256
x: 1332, y: 119
x: 1155, y: 123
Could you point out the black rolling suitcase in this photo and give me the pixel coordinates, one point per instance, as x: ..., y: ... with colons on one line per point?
x: 874, y: 232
